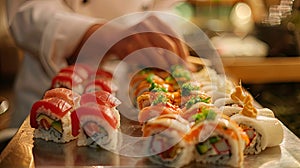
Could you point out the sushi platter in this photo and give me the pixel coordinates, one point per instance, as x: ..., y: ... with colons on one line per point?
x: 24, y: 151
x: 170, y: 118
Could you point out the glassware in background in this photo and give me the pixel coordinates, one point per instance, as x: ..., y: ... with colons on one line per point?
x: 4, y: 105
x: 5, y: 133
x: 272, y: 25
x: 279, y: 12
x: 241, y: 17
x: 280, y: 29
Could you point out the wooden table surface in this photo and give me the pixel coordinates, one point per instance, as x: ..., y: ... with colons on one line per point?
x: 255, y: 70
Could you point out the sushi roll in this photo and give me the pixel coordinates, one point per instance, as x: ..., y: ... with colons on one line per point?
x: 100, y: 84
x: 148, y: 75
x: 265, y: 112
x: 156, y: 110
x: 68, y: 95
x: 96, y: 126
x: 194, y: 99
x: 166, y: 145
x: 68, y: 80
x: 51, y: 119
x: 153, y: 98
x: 234, y: 104
x: 228, y: 106
x: 149, y: 87
x: 102, y: 74
x: 189, y: 112
x: 101, y: 97
x: 215, y: 95
x: 100, y: 80
x: 192, y: 90
x: 181, y: 74
x: 79, y: 69
x: 262, y: 131
x: 218, y: 141
x: 144, y: 82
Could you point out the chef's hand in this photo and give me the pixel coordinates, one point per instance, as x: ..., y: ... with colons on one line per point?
x: 152, y: 43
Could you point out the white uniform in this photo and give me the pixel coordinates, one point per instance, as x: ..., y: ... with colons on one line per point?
x: 49, y: 30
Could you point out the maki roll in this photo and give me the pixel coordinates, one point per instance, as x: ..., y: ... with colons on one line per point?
x: 215, y: 95
x: 100, y: 84
x: 101, y: 97
x: 258, y: 128
x: 79, y: 69
x: 191, y: 92
x: 156, y: 110
x: 232, y: 104
x: 235, y: 103
x: 265, y: 112
x: 100, y: 79
x: 68, y: 95
x: 228, y: 106
x: 189, y: 112
x: 153, y: 98
x: 102, y: 74
x: 50, y: 116
x: 150, y: 87
x: 147, y: 75
x: 262, y: 132
x: 72, y: 77
x: 166, y: 145
x: 68, y: 80
x: 144, y: 82
x: 96, y: 126
x: 180, y: 74
x: 217, y: 140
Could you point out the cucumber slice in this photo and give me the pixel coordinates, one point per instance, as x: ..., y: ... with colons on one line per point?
x: 202, y: 148
x: 43, y: 116
x: 214, y: 139
x: 57, y: 126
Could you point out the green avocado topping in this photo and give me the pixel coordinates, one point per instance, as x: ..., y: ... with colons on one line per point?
x: 187, y: 88
x: 157, y: 88
x: 195, y: 100
x: 149, y: 78
x: 206, y: 114
x: 161, y: 98
x: 180, y: 73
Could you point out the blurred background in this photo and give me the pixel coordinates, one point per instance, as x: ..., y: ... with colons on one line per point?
x: 258, y: 41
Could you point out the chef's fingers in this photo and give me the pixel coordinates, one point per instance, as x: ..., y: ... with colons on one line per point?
x: 183, y: 52
x: 154, y: 23
x: 182, y: 48
x: 159, y: 40
x: 169, y: 44
x: 137, y: 49
x: 152, y: 56
x: 165, y: 37
x: 157, y: 25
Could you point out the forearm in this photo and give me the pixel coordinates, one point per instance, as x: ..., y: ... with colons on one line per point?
x: 48, y: 30
x: 88, y: 33
x: 29, y: 19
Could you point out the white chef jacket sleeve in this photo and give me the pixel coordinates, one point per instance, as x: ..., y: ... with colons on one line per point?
x: 48, y: 29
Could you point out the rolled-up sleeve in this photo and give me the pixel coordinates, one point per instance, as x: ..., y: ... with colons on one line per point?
x: 47, y: 29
